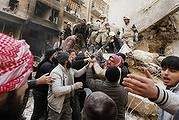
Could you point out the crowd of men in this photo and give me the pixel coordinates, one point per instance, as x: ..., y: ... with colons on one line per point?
x: 100, y: 34
x: 72, y: 84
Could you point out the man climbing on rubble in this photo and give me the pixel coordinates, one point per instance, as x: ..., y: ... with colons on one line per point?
x: 127, y: 33
x: 167, y: 100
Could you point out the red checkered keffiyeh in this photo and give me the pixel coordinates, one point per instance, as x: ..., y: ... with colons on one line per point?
x: 15, y: 63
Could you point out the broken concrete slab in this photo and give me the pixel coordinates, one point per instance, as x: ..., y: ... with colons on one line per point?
x: 154, y: 13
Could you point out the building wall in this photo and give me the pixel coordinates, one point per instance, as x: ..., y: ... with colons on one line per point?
x: 74, y: 12
x: 12, y: 20
x: 86, y: 11
x: 37, y: 31
x: 120, y: 8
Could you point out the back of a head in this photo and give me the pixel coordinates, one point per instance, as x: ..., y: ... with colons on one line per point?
x: 113, y: 74
x: 99, y: 106
x: 171, y: 62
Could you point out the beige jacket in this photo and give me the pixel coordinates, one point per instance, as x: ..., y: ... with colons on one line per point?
x: 61, y: 87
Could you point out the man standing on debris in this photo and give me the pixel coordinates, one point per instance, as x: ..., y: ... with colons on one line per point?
x: 127, y: 33
x: 67, y: 31
x: 83, y: 30
x: 40, y: 92
x: 61, y: 90
x: 168, y: 100
x: 70, y: 41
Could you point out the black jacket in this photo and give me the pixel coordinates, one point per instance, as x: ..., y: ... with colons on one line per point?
x: 46, y: 67
x: 112, y: 89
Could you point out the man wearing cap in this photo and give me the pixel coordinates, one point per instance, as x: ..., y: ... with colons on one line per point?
x: 16, y: 63
x: 99, y: 106
x: 112, y: 43
x: 101, y: 39
x: 110, y: 87
x: 127, y: 33
x: 40, y: 92
x: 62, y: 88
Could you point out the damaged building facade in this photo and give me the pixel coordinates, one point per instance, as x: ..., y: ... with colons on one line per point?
x: 35, y: 21
x: 158, y: 25
x: 40, y: 21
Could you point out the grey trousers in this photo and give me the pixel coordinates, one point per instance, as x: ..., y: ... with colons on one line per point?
x: 66, y: 113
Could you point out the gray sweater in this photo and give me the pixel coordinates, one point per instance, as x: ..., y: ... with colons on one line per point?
x: 168, y: 101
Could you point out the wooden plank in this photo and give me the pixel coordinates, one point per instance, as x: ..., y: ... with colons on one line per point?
x: 154, y: 13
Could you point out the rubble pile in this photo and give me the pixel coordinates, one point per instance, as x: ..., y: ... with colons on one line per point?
x: 139, y: 60
x: 156, y: 42
x: 162, y: 37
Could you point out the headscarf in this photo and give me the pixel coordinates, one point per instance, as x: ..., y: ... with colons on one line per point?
x: 16, y: 63
x: 118, y: 61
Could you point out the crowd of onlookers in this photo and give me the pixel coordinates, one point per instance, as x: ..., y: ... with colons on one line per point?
x: 73, y: 83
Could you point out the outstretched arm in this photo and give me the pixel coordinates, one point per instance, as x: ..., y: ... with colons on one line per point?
x: 144, y: 86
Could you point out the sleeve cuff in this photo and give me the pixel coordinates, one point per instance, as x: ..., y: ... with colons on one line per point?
x: 162, y: 97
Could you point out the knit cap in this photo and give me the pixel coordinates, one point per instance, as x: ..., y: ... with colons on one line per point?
x: 62, y: 56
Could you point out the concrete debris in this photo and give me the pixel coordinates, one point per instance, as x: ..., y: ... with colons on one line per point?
x: 144, y: 56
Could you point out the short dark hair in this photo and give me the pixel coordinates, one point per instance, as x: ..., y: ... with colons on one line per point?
x: 71, y: 50
x: 113, y: 74
x: 171, y: 62
x: 122, y: 55
x: 99, y: 106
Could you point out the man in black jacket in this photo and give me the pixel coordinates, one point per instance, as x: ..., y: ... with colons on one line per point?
x: 82, y: 29
x: 40, y: 92
x: 67, y: 31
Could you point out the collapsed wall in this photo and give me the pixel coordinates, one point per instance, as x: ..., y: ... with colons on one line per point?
x: 159, y: 37
x: 163, y: 37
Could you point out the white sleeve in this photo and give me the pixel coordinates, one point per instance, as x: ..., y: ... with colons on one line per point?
x: 167, y: 100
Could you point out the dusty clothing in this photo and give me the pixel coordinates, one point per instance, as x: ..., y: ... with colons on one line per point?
x: 163, y: 115
x: 69, y: 42
x: 61, y: 88
x: 102, y: 33
x: 127, y: 35
x: 113, y: 90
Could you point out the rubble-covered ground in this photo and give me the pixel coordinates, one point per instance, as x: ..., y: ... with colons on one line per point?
x: 129, y: 116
